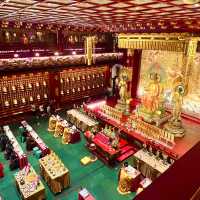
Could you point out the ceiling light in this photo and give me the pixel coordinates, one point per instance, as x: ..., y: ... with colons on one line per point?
x: 73, y: 52
x: 37, y: 54
x: 16, y: 55
x: 56, y: 54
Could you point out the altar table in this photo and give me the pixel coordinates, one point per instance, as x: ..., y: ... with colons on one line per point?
x: 104, y: 150
x: 54, y: 172
x: 148, y: 165
x: 39, y: 142
x: 131, y: 133
x: 17, y: 148
x: 29, y: 184
x: 81, y: 120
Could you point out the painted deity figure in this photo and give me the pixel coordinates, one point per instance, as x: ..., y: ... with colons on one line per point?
x: 151, y: 99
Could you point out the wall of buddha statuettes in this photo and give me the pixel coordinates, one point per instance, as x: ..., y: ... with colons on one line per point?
x: 82, y: 81
x: 23, y: 90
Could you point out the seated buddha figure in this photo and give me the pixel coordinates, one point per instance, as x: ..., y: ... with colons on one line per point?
x: 151, y: 99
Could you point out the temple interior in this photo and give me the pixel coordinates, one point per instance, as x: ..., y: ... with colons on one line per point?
x: 99, y: 99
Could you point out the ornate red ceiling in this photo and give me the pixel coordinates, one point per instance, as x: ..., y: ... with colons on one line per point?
x: 107, y: 15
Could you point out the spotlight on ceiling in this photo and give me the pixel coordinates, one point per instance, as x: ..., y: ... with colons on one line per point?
x: 56, y: 54
x: 16, y: 55
x: 37, y: 54
x: 73, y: 52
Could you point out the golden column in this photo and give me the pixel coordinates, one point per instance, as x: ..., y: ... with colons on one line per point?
x: 89, y: 49
x: 190, y: 53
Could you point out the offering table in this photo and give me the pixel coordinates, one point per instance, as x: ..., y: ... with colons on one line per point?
x: 29, y: 184
x: 54, y: 173
x: 149, y: 166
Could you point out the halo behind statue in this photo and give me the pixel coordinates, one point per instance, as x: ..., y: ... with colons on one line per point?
x: 156, y: 68
x: 179, y: 86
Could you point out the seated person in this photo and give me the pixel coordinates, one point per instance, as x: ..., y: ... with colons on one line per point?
x: 3, y: 141
x: 14, y: 164
x: 49, y: 110
x: 30, y: 144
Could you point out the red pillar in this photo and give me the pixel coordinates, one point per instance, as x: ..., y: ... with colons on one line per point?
x: 134, y: 61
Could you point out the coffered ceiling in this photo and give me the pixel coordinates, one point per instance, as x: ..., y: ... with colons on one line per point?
x: 107, y: 15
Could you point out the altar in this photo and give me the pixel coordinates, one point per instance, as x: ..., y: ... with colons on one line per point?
x: 29, y: 184
x: 54, y: 173
x: 150, y: 166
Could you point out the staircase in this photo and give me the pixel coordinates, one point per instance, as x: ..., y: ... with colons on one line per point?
x: 125, y: 152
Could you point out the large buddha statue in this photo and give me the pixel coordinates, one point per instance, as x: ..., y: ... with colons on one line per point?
x: 152, y: 96
x: 151, y: 107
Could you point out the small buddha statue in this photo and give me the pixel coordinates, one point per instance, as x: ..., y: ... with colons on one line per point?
x: 13, y: 88
x: 31, y: 98
x: 4, y: 89
x: 30, y: 86
x: 23, y: 100
x: 15, y: 102
x: 22, y: 87
x: 38, y: 97
x: 7, y: 104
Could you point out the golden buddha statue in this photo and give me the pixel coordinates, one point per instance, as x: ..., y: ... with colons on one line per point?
x: 123, y: 86
x: 124, y: 101
x: 174, y: 125
x: 177, y: 101
x: 152, y: 108
x: 151, y: 99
